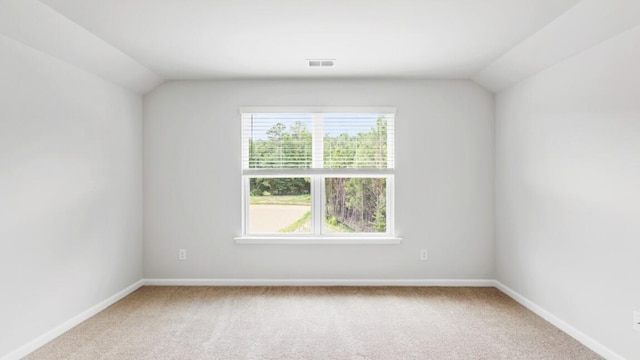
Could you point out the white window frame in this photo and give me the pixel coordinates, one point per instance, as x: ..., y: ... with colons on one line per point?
x: 318, y: 175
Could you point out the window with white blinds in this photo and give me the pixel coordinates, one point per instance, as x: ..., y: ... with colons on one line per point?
x: 318, y: 172
x: 277, y: 141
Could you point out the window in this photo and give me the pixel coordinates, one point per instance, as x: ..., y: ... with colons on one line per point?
x: 318, y: 174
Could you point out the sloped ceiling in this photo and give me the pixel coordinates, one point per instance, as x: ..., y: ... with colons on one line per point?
x: 588, y: 23
x: 38, y: 26
x: 140, y: 43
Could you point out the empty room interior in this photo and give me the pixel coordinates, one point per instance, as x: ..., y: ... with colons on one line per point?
x: 340, y: 179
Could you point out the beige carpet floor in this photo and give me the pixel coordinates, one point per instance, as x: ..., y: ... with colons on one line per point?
x: 315, y: 323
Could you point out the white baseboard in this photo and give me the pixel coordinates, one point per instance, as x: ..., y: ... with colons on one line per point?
x: 320, y: 282
x: 67, y: 325
x: 559, y: 323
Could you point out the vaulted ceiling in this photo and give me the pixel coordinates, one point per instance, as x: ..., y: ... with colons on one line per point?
x: 138, y: 44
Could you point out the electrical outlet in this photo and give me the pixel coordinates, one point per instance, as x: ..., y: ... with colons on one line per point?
x: 636, y: 320
x: 182, y: 254
x: 424, y: 255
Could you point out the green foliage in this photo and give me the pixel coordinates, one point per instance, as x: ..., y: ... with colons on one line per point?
x: 279, y: 186
x: 282, y: 149
x: 332, y: 225
x: 291, y: 148
x: 364, y: 150
x: 358, y: 203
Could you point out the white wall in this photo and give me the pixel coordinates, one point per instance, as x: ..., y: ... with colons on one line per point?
x: 568, y: 191
x: 70, y: 192
x: 444, y: 182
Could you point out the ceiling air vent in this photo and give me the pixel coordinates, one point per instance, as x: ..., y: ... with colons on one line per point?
x: 321, y: 62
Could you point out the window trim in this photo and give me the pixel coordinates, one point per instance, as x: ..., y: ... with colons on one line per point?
x: 318, y: 188
x: 317, y: 109
x: 316, y: 240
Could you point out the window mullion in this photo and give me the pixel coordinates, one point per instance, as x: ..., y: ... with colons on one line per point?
x: 317, y: 142
x: 316, y: 180
x: 390, y: 204
x: 245, y: 204
x: 316, y: 204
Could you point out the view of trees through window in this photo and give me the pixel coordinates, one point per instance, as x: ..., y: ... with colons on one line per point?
x: 356, y: 204
x: 351, y: 203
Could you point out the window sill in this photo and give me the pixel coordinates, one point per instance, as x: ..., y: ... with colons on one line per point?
x: 268, y: 240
